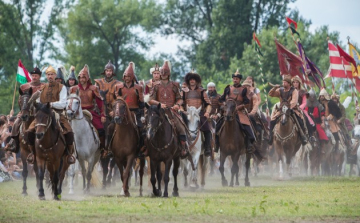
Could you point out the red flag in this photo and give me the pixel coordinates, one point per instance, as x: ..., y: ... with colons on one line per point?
x: 357, y: 83
x: 289, y: 63
x: 337, y: 64
x: 256, y: 39
x: 290, y: 21
x: 347, y: 57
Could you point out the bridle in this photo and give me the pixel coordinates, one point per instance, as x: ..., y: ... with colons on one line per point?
x: 47, y: 125
x: 234, y: 112
x: 155, y: 131
x: 69, y: 107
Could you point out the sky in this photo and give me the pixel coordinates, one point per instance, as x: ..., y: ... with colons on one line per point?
x: 339, y: 15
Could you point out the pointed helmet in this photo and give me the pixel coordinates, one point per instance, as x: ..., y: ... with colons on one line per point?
x: 110, y: 66
x: 85, y: 72
x: 166, y: 68
x: 236, y: 74
x: 130, y: 71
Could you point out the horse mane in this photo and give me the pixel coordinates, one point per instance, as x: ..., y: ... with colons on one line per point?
x: 48, y: 111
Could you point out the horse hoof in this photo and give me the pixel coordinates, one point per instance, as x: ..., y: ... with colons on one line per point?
x: 42, y: 198
x: 71, y: 191
x: 224, y: 183
x: 290, y: 174
x: 165, y: 194
x: 24, y: 193
x: 127, y: 194
x: 231, y: 185
x: 57, y: 197
x: 237, y: 184
x: 247, y: 184
x: 175, y: 193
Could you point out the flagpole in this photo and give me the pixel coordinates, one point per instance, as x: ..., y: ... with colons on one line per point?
x: 13, y: 101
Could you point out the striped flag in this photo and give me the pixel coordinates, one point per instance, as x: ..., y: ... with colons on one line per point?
x: 22, y: 75
x: 337, y: 63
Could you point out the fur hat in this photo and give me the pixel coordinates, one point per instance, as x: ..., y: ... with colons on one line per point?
x: 247, y: 82
x: 324, y: 93
x: 85, y: 72
x: 36, y: 71
x: 211, y: 84
x: 130, y: 71
x: 192, y: 75
x: 50, y: 69
x: 110, y: 66
x: 155, y: 68
x: 237, y: 74
x: 287, y: 78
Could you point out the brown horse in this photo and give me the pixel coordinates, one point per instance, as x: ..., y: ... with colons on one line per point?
x: 232, y: 143
x: 49, y: 150
x: 163, y: 146
x: 125, y: 142
x: 286, y: 138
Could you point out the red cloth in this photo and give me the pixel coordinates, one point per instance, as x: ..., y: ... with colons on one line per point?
x: 96, y: 121
x: 319, y: 129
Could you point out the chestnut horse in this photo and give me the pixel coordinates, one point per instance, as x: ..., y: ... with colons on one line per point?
x: 286, y: 138
x: 49, y: 150
x: 162, y: 143
x: 124, y: 143
x: 232, y: 143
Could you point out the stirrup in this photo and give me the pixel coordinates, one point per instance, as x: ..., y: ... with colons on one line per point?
x: 70, y: 159
x: 30, y: 158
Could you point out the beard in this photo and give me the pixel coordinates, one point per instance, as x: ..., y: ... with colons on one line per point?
x: 212, y: 92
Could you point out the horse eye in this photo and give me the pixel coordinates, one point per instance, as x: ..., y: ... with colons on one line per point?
x: 77, y: 102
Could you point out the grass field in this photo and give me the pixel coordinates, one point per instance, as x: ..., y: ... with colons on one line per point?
x: 300, y: 199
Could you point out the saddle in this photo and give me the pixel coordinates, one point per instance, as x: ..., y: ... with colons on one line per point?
x: 89, y: 118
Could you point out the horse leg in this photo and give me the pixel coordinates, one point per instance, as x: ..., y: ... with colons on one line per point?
x: 288, y: 164
x: 111, y: 170
x: 54, y: 175
x: 104, y: 164
x: 83, y: 172
x: 91, y: 164
x: 126, y: 174
x: 71, y: 175
x: 234, y: 168
x: 64, y: 166
x: 221, y: 169
x: 153, y: 168
x: 41, y: 174
x: 24, y: 174
x: 121, y: 169
x: 247, y: 167
x: 186, y: 173
x: 202, y: 165
x: 167, y: 177
x: 141, y: 174
x: 175, y: 171
x: 159, y: 177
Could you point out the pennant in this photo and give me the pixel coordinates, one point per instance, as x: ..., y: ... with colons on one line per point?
x: 22, y: 75
x: 256, y: 39
x: 354, y: 54
x: 347, y: 57
x: 337, y: 64
x: 291, y: 23
x: 289, y: 63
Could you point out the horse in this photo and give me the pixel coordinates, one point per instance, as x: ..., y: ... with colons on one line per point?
x: 124, y: 143
x: 86, y: 139
x: 232, y: 143
x: 286, y: 138
x: 196, y: 150
x: 163, y: 146
x: 49, y: 150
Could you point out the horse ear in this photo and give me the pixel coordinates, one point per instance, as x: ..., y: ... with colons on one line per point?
x: 147, y: 105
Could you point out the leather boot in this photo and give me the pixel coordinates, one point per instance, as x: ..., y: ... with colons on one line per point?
x: 301, y: 126
x: 31, y: 158
x: 184, y: 150
x: 70, y: 157
x: 207, y: 143
x: 217, y: 144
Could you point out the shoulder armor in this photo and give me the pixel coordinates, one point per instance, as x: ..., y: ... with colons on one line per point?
x: 176, y: 84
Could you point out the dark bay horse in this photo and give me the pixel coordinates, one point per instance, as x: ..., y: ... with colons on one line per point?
x: 232, y: 143
x: 124, y: 143
x: 49, y: 150
x: 163, y: 146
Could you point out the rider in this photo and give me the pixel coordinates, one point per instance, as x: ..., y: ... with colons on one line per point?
x: 60, y: 75
x: 341, y: 121
x: 316, y: 112
x: 195, y: 95
x: 134, y: 97
x: 104, y: 84
x: 71, y: 81
x: 55, y: 94
x: 214, y: 99
x: 238, y: 93
x: 35, y: 85
x: 167, y: 94
x: 90, y: 101
x: 155, y: 72
x: 291, y: 95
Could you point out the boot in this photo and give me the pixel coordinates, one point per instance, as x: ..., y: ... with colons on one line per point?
x: 13, y: 146
x: 207, y: 143
x: 217, y: 144
x: 107, y: 151
x: 301, y: 126
x: 271, y: 134
x: 142, y: 148
x: 184, y: 149
x: 70, y: 157
x: 31, y: 158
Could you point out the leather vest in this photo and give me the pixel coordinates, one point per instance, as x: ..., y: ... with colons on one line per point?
x: 236, y: 93
x: 193, y: 97
x: 166, y: 94
x: 50, y: 92
x: 104, y: 85
x: 286, y: 96
x: 132, y: 97
x: 215, y: 104
x: 301, y: 95
x: 35, y: 87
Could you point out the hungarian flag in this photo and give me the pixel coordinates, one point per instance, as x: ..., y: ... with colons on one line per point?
x: 289, y: 63
x: 354, y: 54
x: 22, y: 75
x: 337, y: 63
x: 257, y: 44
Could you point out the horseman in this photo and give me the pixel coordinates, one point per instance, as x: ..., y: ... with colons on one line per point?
x: 55, y: 94
x: 71, y: 81
x: 155, y: 72
x: 316, y: 112
x: 290, y: 95
x: 195, y: 95
x: 60, y: 75
x: 214, y: 99
x: 167, y: 94
x: 108, y: 84
x: 35, y: 85
x: 238, y: 93
x: 297, y: 84
x: 90, y: 101
x: 341, y: 121
x: 132, y: 93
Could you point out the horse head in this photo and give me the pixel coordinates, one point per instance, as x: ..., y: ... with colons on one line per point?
x: 230, y: 109
x: 120, y: 110
x: 24, y: 105
x: 43, y: 119
x: 73, y: 105
x: 155, y: 116
x: 194, y: 120
x: 356, y: 132
x: 285, y: 111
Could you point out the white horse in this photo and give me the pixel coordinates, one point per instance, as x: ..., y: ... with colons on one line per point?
x: 196, y: 150
x: 357, y: 137
x: 86, y: 140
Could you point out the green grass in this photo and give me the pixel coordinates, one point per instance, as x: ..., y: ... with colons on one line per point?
x: 299, y: 199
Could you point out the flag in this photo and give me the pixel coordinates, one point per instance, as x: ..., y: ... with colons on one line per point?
x: 354, y: 54
x: 256, y: 39
x: 294, y: 31
x: 22, y: 75
x: 357, y: 83
x: 257, y: 49
x: 291, y: 22
x: 347, y: 57
x: 289, y: 63
x: 337, y: 64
